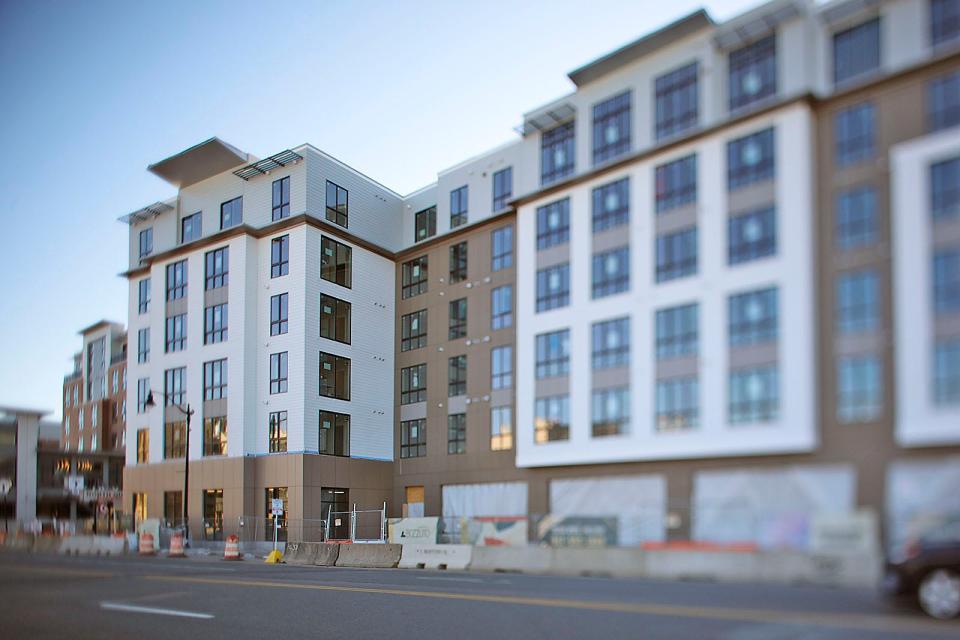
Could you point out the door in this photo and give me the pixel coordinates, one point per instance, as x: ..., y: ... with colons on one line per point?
x: 336, y: 504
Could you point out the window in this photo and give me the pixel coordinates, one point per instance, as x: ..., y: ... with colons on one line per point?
x: 335, y: 262
x: 413, y: 330
x: 553, y: 224
x: 175, y: 386
x: 502, y: 248
x: 676, y: 183
x: 858, y: 301
x: 458, y: 262
x: 677, y: 254
x: 853, y: 134
x: 753, y: 317
x: 753, y: 72
x: 231, y: 213
x: 217, y: 268
x: 946, y: 280
x: 678, y: 333
x: 502, y: 188
x: 553, y: 287
x: 551, y: 421
x: 676, y: 101
x: 279, y: 314
x: 335, y: 319
x: 611, y: 127
x: 945, y: 189
x: 278, y: 372
x: 556, y: 153
x: 146, y: 242
x: 143, y: 298
x: 944, y: 102
x: 334, y: 376
x: 456, y: 376
x: 213, y: 514
x: 190, y: 228
x: 501, y: 367
x: 177, y: 280
x: 946, y: 372
x: 337, y: 198
x: 859, y: 389
x: 173, y: 507
x: 176, y: 333
x: 754, y: 395
x: 278, y: 432
x: 457, y: 433
x: 280, y: 256
x: 413, y: 439
x: 501, y: 429
x: 611, y: 344
x: 611, y: 272
x: 215, y: 380
x: 413, y: 384
x: 553, y: 354
x: 501, y: 307
x: 752, y: 235
x: 414, y: 274
x: 611, y: 205
x: 944, y: 21
x: 276, y: 526
x: 215, y: 436
x: 458, y: 206
x: 143, y: 345
x: 143, y: 390
x: 856, y: 218
x: 334, y: 434
x: 280, y: 199
x: 610, y: 411
x: 856, y: 51
x: 215, y: 323
x: 143, y: 446
x: 174, y: 439
x: 458, y: 319
x: 677, y: 404
x: 750, y: 159
x: 425, y: 224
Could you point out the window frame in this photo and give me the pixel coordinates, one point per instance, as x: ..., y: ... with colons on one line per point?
x: 216, y: 268
x: 502, y: 188
x: 339, y: 213
x: 501, y: 317
x: 560, y: 138
x: 279, y: 372
x: 336, y: 326
x: 195, y: 223
x: 410, y: 341
x: 457, y: 319
x: 759, y: 57
x: 340, y: 430
x: 414, y: 374
x: 456, y: 433
x: 279, y: 314
x: 410, y: 287
x: 456, y: 375
x: 280, y: 199
x: 547, y: 234
x: 425, y: 224
x: 215, y: 323
x: 280, y: 256
x: 458, y: 262
x: 341, y: 270
x: 551, y: 419
x: 215, y: 379
x: 501, y: 367
x: 552, y: 349
x: 413, y: 446
x: 676, y: 101
x: 459, y: 206
x: 547, y: 298
x: 336, y: 384
x: 501, y: 248
x: 277, y: 431
x: 603, y: 283
x: 231, y: 213
x: 613, y: 112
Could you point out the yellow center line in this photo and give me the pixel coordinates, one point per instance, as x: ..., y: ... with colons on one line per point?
x: 56, y: 571
x: 863, y: 622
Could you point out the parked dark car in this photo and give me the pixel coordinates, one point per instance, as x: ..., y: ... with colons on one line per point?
x: 930, y: 570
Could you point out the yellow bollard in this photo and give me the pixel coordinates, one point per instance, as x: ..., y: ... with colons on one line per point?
x: 275, y: 557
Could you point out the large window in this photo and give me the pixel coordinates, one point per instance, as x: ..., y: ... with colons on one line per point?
x: 502, y: 188
x: 458, y: 319
x: 556, y: 153
x: 858, y: 301
x: 945, y: 189
x: 143, y: 446
x: 336, y: 261
x: 677, y: 404
x: 853, y: 134
x: 859, y: 389
x: 280, y: 199
x: 501, y: 307
x: 946, y: 372
x: 501, y: 248
x: 278, y: 432
x: 611, y: 205
x: 176, y: 338
x: 213, y: 514
x: 146, y: 242
x: 231, y: 213
x: 551, y: 420
x: 413, y: 384
x: 856, y: 218
x: 501, y: 429
x: 279, y: 314
x: 215, y: 436
x: 414, y: 275
x: 750, y: 159
x: 143, y: 345
x: 458, y: 206
x: 752, y: 235
x: 676, y: 254
x: 754, y: 395
x: 278, y: 372
x: 143, y: 295
x: 458, y: 262
x: 215, y: 379
x: 501, y: 367
x: 553, y: 224
x: 217, y: 263
x: 280, y: 256
x: 215, y: 323
x: 143, y: 390
x: 611, y: 272
x: 676, y: 101
x: 946, y: 280
x: 610, y: 412
x: 610, y: 343
x: 337, y: 198
x: 190, y: 227
x: 413, y: 330
x: 944, y: 21
x: 334, y: 434
x: 457, y: 433
x: 553, y: 287
x: 335, y: 319
x: 456, y: 376
x: 334, y: 376
x: 174, y: 439
x: 753, y: 72
x: 856, y: 51
x: 413, y: 438
x: 753, y: 317
x: 173, y: 507
x: 611, y: 127
x: 676, y: 183
x: 177, y: 280
x: 943, y: 108
x: 553, y: 354
x: 425, y: 224
x: 677, y: 332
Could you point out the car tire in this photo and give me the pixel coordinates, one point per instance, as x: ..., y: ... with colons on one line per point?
x: 939, y: 594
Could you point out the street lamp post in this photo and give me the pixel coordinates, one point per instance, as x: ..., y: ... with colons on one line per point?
x: 187, y: 411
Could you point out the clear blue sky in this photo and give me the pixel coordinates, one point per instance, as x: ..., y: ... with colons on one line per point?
x: 92, y: 92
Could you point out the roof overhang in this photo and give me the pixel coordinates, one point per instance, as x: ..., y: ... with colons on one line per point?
x: 100, y: 324
x: 199, y: 162
x: 265, y: 166
x: 547, y: 117
x: 835, y: 13
x: 756, y: 24
x: 147, y: 212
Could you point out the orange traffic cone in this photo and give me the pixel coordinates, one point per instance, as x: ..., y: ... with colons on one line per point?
x: 146, y: 544
x: 232, y: 550
x: 176, y: 546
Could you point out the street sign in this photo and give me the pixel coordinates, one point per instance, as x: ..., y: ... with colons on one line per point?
x: 74, y: 484
x: 276, y: 507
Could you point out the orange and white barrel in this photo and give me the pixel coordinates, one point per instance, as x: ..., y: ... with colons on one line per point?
x: 232, y: 549
x: 146, y: 544
x: 176, y: 546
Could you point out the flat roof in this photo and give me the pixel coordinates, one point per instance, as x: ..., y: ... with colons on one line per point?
x: 23, y: 411
x: 199, y: 162
x: 98, y: 324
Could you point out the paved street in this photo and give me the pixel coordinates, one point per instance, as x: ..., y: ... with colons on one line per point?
x: 42, y: 596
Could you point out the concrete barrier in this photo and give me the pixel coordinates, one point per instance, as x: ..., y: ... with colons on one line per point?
x: 21, y: 541
x: 613, y: 561
x: 727, y: 566
x: 46, y: 544
x: 435, y: 556
x: 327, y: 554
x: 304, y: 553
x: 377, y: 556
x: 519, y: 559
x: 76, y: 545
x: 108, y: 546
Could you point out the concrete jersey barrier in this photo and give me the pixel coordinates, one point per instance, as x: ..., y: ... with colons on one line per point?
x: 327, y: 554
x: 77, y: 545
x: 520, y: 559
x: 436, y: 556
x: 374, y: 556
x: 301, y: 553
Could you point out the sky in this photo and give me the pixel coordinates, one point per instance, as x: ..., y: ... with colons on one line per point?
x: 92, y: 92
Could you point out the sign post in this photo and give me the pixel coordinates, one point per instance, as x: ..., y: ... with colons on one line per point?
x: 276, y: 508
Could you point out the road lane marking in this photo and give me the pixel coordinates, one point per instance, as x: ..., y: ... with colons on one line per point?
x: 858, y: 621
x: 449, y: 579
x: 80, y: 573
x: 129, y: 608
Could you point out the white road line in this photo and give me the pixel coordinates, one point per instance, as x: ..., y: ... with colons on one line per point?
x: 449, y: 579
x: 116, y: 606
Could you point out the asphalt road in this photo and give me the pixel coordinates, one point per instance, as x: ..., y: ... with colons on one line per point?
x: 129, y: 597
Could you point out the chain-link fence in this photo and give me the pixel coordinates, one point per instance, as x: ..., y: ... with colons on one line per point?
x: 258, y: 529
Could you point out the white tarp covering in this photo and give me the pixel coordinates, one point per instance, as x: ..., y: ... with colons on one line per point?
x: 921, y: 495
x: 773, y: 508
x: 637, y: 502
x: 485, y: 499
